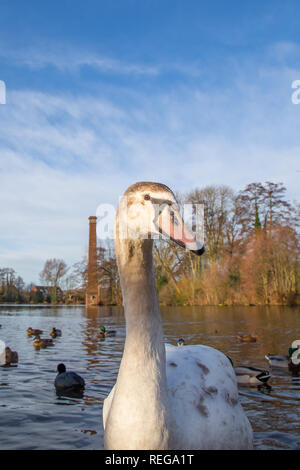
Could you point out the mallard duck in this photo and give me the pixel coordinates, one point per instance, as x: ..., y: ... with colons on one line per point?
x: 42, y: 342
x: 68, y: 380
x: 103, y: 332
x: 180, y: 342
x: 55, y: 332
x: 32, y: 332
x: 165, y: 397
x: 250, y: 375
x: 276, y: 360
x: 247, y: 338
x: 291, y: 361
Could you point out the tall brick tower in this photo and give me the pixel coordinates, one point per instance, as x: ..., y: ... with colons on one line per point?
x: 92, y: 291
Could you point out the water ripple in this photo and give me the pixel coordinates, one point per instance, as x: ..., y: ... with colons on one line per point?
x: 33, y: 416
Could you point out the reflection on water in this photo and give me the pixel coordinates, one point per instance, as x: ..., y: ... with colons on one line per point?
x: 33, y: 416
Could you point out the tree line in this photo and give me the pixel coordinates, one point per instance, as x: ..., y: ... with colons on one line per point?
x: 252, y: 255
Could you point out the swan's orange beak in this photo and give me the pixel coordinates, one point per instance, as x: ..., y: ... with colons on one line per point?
x: 176, y: 230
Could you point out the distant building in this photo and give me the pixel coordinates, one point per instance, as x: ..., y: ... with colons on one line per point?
x: 74, y: 296
x: 45, y: 293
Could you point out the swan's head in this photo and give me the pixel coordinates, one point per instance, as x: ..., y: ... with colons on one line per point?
x: 148, y: 210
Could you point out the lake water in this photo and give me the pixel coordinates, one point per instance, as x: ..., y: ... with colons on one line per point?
x: 32, y: 416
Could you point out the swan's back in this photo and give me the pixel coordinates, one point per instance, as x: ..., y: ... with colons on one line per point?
x: 204, y: 400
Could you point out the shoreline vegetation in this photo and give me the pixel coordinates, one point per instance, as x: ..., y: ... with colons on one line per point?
x: 252, y: 258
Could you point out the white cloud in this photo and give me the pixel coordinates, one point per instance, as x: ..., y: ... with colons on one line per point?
x: 71, y: 60
x: 62, y: 155
x: 68, y: 59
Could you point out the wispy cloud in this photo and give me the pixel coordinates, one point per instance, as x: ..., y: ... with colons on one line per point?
x: 63, y: 154
x: 69, y: 60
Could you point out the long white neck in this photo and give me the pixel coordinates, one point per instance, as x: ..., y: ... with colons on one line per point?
x: 139, y: 417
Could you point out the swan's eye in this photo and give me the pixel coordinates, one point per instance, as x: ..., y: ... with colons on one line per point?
x: 147, y: 197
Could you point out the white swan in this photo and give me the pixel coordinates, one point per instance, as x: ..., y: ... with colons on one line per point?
x: 165, y: 397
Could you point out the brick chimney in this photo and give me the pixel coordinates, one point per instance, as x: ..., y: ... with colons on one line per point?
x: 92, y: 290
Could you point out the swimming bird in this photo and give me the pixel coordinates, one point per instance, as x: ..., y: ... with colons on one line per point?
x: 42, y: 342
x: 11, y: 357
x: 34, y: 332
x: 55, y: 332
x: 165, y: 397
x: 251, y: 375
x: 290, y: 361
x: 103, y: 332
x: 276, y: 360
x: 180, y: 342
x: 247, y: 338
x: 68, y: 380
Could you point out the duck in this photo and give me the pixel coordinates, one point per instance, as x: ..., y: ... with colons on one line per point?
x: 42, y: 342
x: 68, y: 380
x: 251, y: 375
x: 180, y: 342
x: 178, y: 397
x: 247, y: 338
x: 103, y: 332
x: 55, y: 332
x: 290, y: 361
x: 11, y: 357
x: 34, y: 332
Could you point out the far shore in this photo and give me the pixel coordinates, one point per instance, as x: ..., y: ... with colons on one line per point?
x: 161, y: 305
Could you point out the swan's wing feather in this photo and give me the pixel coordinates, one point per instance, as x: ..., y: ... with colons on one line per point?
x: 106, y: 405
x: 204, y: 398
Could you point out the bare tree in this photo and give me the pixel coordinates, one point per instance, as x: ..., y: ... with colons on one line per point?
x: 53, y: 272
x: 218, y: 204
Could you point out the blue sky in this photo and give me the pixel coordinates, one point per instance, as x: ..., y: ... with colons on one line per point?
x: 101, y: 94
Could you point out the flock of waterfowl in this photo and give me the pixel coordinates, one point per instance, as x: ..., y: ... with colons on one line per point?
x: 248, y: 375
x: 66, y: 381
x: 255, y: 376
